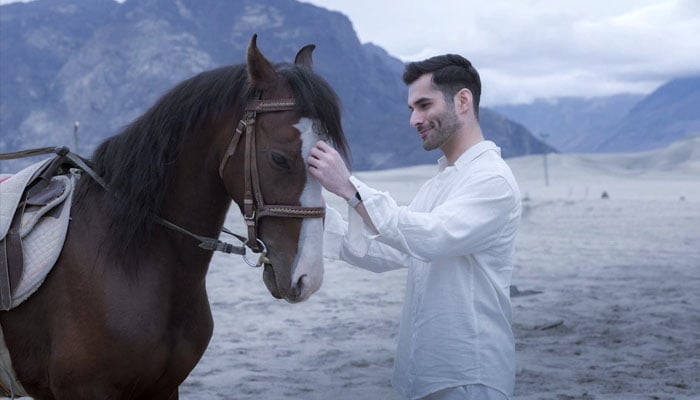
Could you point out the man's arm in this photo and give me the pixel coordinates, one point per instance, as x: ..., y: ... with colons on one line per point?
x: 355, y: 248
x: 326, y: 165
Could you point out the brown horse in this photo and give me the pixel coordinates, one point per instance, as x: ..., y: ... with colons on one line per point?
x: 124, y: 313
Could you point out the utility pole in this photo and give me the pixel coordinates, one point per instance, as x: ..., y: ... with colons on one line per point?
x: 76, y: 126
x: 546, y: 168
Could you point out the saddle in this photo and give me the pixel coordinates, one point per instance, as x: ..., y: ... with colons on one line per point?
x: 34, y: 216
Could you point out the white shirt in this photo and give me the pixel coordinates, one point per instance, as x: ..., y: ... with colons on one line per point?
x: 457, y: 239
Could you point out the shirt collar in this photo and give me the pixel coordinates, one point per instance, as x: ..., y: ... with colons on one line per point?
x: 470, y: 155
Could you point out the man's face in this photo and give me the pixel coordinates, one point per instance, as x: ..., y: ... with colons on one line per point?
x: 433, y: 117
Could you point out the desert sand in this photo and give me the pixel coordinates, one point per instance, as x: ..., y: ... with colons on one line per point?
x: 609, y: 304
x: 606, y: 294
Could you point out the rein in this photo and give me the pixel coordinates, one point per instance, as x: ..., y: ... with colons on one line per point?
x: 204, y: 242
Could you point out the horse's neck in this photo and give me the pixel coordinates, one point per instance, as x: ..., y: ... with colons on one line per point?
x: 196, y: 200
x: 197, y: 203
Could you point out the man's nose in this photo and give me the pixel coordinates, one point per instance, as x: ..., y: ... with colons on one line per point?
x: 416, y: 119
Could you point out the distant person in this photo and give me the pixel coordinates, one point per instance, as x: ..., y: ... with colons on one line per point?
x: 456, y: 238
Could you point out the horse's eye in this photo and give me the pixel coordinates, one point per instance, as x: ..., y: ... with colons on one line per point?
x: 280, y: 161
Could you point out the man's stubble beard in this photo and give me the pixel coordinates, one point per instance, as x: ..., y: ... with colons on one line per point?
x: 444, y: 127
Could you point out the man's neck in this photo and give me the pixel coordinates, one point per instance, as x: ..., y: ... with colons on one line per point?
x: 461, y: 142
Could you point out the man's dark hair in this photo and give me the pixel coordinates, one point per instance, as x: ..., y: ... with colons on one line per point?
x: 451, y: 73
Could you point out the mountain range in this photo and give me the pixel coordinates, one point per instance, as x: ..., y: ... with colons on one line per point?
x: 669, y: 114
x: 103, y: 63
x: 621, y: 123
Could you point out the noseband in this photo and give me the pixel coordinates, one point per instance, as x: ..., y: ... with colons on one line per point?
x: 254, y: 207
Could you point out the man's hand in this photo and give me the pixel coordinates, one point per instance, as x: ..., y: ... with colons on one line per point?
x: 326, y: 165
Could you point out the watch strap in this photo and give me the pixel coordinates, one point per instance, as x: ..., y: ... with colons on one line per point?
x: 355, y: 200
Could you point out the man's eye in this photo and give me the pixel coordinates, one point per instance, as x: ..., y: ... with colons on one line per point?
x: 280, y: 161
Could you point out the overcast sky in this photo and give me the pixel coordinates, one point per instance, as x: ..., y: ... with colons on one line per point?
x: 526, y: 49
x: 541, y: 48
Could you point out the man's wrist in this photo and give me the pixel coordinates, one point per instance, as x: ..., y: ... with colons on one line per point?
x: 355, y: 199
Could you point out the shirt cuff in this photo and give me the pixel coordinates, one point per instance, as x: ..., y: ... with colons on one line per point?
x: 334, y: 230
x: 378, y: 205
x: 359, y: 234
x: 365, y: 191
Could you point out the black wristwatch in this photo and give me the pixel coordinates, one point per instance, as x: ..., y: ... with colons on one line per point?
x: 355, y: 200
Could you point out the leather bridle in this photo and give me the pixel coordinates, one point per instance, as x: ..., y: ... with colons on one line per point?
x: 254, y: 206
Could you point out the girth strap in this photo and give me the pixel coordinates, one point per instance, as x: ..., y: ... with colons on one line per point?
x: 11, y: 260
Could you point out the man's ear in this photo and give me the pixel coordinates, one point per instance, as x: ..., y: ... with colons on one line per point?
x: 464, y: 101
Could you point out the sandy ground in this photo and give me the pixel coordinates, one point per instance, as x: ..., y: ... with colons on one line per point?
x: 615, y: 314
x: 610, y: 304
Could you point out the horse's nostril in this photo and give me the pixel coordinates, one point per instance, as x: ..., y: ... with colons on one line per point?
x: 297, y: 289
x: 299, y: 286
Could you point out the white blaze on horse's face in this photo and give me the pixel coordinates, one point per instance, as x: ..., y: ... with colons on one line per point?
x: 308, y: 264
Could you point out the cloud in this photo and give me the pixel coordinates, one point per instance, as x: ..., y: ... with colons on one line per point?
x: 541, y: 48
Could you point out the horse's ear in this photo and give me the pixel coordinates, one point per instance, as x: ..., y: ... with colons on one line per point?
x: 261, y: 72
x: 304, y: 58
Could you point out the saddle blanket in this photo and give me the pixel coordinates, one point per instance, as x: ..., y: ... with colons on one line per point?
x: 10, y: 387
x: 43, y: 228
x: 43, y: 231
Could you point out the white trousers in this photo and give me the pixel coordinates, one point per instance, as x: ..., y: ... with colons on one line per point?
x: 467, y: 392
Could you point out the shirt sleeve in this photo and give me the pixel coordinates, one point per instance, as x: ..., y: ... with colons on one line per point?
x: 334, y: 229
x: 354, y: 243
x: 470, y: 220
x: 361, y: 248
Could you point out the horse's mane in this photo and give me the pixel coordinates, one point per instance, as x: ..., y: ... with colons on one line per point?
x: 317, y: 100
x: 138, y: 163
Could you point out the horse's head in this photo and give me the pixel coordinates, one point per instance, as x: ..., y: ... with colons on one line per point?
x: 291, y: 109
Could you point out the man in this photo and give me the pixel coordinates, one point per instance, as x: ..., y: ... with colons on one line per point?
x: 456, y: 238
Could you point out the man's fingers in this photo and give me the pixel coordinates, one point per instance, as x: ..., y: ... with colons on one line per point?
x: 322, y: 152
x: 324, y: 147
x: 315, y: 159
x: 326, y: 165
x: 315, y: 152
